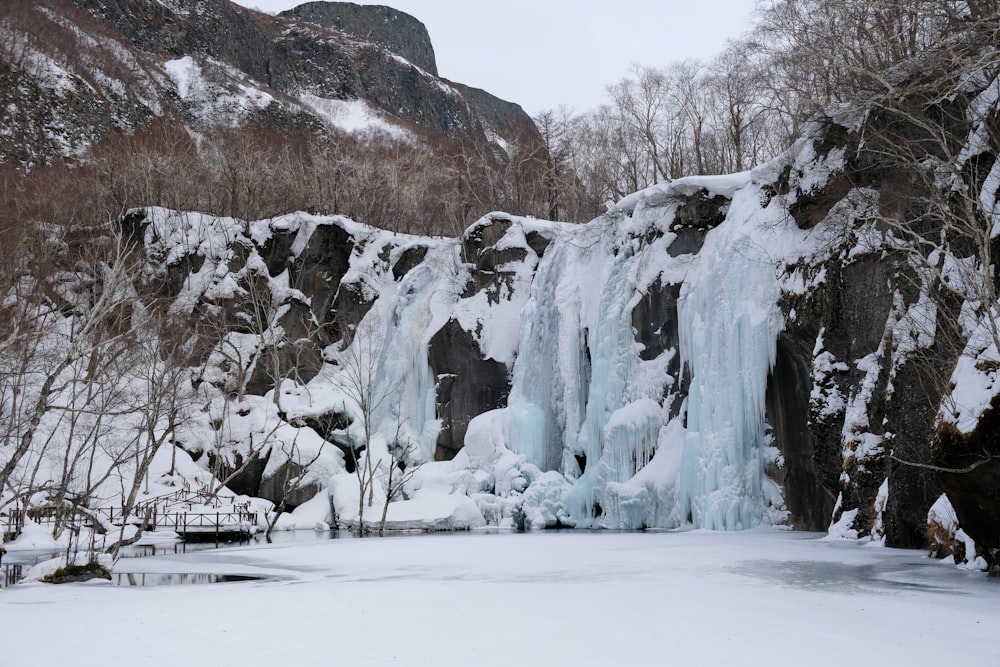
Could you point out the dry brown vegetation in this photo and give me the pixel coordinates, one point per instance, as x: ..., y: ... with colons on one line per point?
x: 259, y: 172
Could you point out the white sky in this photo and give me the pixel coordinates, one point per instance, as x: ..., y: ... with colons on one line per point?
x: 545, y: 53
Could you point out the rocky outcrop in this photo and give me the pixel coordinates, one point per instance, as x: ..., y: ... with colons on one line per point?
x: 809, y: 474
x: 968, y: 470
x: 504, y: 119
x: 392, y: 29
x: 467, y: 385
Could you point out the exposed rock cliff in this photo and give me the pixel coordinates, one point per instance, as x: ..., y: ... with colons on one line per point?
x: 398, y: 32
x: 75, y: 70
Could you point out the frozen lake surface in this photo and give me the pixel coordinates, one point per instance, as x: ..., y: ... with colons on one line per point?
x: 568, y: 598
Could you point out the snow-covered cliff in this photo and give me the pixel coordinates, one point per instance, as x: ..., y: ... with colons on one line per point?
x: 771, y: 347
x: 677, y: 361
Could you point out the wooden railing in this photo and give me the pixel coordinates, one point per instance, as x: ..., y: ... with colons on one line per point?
x: 235, y: 520
x: 182, y: 512
x: 12, y: 520
x: 183, y: 520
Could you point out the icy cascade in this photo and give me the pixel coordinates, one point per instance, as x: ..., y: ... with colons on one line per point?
x: 550, y: 377
x: 617, y: 437
x: 614, y: 353
x: 582, y: 402
x: 404, y: 375
x: 728, y: 330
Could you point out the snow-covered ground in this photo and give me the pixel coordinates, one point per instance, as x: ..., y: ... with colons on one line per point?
x: 761, y: 597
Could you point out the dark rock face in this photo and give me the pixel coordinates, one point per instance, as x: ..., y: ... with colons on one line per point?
x: 408, y: 259
x: 537, y: 242
x: 689, y: 241
x: 700, y: 211
x: 78, y: 116
x: 973, y: 480
x: 856, y: 302
x: 246, y: 476
x: 301, y: 358
x: 467, y: 384
x: 337, y: 51
x: 404, y: 91
x: 505, y: 118
x: 654, y: 320
x: 349, y: 308
x: 273, y: 487
x: 318, y: 272
x: 481, y: 237
x: 178, y: 272
x: 396, y: 31
x: 849, y: 312
x: 812, y: 206
x: 809, y: 477
x: 479, y: 249
x: 888, y: 397
x: 910, y: 413
x: 325, y: 425
x: 216, y: 27
x: 856, y: 305
x: 251, y: 481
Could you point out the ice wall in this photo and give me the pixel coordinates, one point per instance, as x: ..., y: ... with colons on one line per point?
x: 550, y: 375
x: 729, y: 323
x: 404, y: 374
x: 585, y: 403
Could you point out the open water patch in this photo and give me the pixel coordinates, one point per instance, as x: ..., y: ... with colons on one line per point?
x: 129, y: 579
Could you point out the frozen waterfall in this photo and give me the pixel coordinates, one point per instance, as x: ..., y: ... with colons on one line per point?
x: 598, y: 430
x: 551, y: 375
x: 729, y: 323
x: 586, y: 404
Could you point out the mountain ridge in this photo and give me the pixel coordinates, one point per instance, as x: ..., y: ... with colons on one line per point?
x: 97, y: 67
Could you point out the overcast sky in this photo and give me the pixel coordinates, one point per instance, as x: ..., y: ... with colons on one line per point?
x: 545, y: 53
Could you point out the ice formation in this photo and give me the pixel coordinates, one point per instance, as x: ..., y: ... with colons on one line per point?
x: 587, y: 409
x: 594, y: 432
x: 728, y: 328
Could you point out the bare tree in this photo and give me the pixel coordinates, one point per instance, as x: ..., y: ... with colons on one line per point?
x: 401, y: 469
x: 736, y: 86
x: 930, y: 130
x: 357, y: 378
x: 81, y: 343
x: 292, y: 480
x: 823, y: 52
x: 567, y: 196
x: 93, y: 389
x: 162, y: 401
x: 642, y: 102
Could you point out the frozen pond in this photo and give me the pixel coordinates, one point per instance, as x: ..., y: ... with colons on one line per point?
x: 568, y: 598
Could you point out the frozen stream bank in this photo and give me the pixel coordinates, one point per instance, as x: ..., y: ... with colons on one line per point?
x: 581, y: 598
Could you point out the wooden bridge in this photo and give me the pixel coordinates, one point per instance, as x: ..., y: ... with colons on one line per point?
x: 193, y: 516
